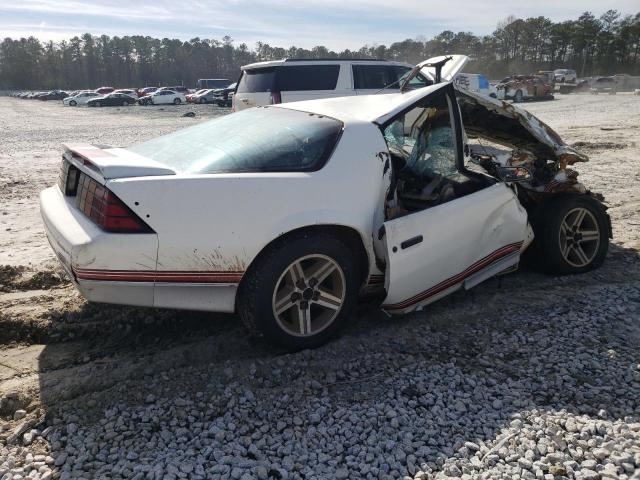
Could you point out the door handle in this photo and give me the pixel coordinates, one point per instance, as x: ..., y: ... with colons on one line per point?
x: 411, y: 242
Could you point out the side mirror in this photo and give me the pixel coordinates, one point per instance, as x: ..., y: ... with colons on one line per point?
x: 514, y: 174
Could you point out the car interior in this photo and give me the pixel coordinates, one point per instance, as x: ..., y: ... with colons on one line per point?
x: 422, y: 147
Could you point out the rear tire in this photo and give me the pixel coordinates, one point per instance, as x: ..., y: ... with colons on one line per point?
x: 203, y: 100
x: 176, y: 101
x: 300, y: 314
x: 571, y: 235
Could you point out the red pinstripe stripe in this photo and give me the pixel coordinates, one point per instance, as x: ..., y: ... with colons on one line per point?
x: 158, y: 276
x: 477, y: 266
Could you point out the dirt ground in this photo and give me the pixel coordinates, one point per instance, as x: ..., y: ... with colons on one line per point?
x: 57, y: 351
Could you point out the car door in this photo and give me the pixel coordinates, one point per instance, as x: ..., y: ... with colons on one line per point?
x: 460, y: 228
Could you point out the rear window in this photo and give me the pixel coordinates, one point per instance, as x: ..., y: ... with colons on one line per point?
x: 307, y: 77
x: 254, y: 140
x: 257, y: 80
x: 289, y: 79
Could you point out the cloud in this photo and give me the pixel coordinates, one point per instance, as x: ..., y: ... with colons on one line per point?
x: 333, y: 23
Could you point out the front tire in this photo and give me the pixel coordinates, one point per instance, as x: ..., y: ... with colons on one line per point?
x: 299, y: 294
x: 572, y: 235
x: 73, y: 103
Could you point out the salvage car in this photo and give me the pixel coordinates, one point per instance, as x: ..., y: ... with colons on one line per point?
x: 53, y: 95
x: 285, y: 213
x: 604, y: 85
x: 80, y: 98
x: 565, y: 75
x: 112, y: 100
x: 163, y: 96
x: 524, y: 87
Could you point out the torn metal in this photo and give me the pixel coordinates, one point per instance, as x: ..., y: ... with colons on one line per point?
x: 535, y: 145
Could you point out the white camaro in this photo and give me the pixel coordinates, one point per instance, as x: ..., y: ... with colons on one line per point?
x: 286, y: 213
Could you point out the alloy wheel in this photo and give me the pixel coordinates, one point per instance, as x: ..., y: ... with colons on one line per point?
x: 579, y: 237
x: 309, y: 295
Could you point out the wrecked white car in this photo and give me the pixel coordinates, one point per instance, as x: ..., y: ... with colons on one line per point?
x: 286, y: 213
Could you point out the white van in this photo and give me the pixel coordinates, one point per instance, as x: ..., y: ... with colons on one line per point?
x: 475, y: 82
x: 292, y: 80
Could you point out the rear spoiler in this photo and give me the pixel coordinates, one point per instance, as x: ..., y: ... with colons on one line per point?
x: 113, y: 163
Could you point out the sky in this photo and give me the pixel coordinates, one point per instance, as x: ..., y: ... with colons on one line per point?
x: 336, y: 24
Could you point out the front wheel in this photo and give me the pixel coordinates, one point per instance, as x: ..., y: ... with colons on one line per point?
x: 176, y: 101
x: 73, y: 103
x: 98, y: 104
x: 572, y: 234
x: 298, y: 295
x: 203, y: 100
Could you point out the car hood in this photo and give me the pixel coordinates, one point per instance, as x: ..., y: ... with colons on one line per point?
x: 449, y: 70
x: 509, y: 125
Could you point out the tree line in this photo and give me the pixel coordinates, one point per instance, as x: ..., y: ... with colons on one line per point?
x: 590, y: 45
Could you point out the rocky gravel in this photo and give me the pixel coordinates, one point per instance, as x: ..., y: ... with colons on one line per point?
x: 524, y: 377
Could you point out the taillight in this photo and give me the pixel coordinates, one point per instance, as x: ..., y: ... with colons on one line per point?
x: 275, y: 98
x: 109, y: 212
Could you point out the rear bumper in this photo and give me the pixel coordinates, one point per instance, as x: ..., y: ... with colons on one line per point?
x: 76, y: 240
x: 121, y: 268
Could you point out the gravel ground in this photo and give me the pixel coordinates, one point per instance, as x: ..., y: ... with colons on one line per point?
x: 526, y: 376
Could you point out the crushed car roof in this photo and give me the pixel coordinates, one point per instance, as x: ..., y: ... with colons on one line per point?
x: 493, y: 119
x: 367, y: 108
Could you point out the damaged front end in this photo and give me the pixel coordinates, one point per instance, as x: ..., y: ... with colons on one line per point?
x: 533, y: 145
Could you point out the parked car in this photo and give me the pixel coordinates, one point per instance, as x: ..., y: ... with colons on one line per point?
x: 112, y: 100
x: 212, y: 83
x: 547, y: 76
x: 80, y: 98
x: 604, y: 85
x: 524, y: 87
x: 146, y: 91
x: 161, y: 223
x: 181, y: 89
x: 127, y: 91
x: 166, y: 96
x: 565, y: 75
x: 476, y: 83
x: 189, y: 96
x: 53, y: 95
x: 221, y: 96
x: 104, y: 90
x: 203, y: 96
x: 292, y: 80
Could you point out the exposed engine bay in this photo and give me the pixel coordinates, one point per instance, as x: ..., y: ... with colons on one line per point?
x: 531, y: 144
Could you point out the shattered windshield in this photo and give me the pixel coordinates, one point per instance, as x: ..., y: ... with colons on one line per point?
x: 253, y: 140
